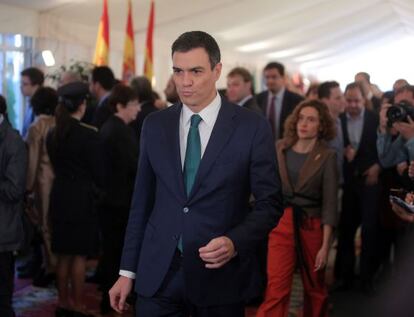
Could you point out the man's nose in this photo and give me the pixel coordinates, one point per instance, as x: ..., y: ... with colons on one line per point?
x: 188, y: 79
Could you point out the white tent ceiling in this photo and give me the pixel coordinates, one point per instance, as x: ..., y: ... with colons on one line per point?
x: 312, y: 33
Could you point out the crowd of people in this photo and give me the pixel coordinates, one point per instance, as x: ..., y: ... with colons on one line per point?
x: 210, y: 200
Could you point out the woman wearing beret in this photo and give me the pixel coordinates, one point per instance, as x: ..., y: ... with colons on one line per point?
x: 75, y: 152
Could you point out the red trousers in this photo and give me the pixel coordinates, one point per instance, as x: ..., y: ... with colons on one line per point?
x: 281, y: 260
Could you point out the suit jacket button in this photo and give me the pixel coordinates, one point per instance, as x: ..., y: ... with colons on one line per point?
x: 186, y: 209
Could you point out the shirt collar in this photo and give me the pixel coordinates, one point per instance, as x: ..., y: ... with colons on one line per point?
x: 244, y: 100
x: 208, y: 114
x: 278, y: 95
x: 360, y: 116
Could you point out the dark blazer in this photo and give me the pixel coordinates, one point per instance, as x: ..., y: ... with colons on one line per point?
x: 78, y: 167
x: 102, y: 113
x: 251, y: 104
x: 240, y: 159
x: 121, y: 159
x: 318, y: 179
x: 13, y: 168
x: 146, y: 108
x: 290, y: 100
x: 367, y: 154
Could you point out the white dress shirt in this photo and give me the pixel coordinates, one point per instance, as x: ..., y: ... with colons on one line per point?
x: 209, y: 116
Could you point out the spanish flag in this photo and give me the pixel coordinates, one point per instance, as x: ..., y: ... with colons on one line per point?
x: 148, y: 63
x: 102, y: 41
x: 128, y: 68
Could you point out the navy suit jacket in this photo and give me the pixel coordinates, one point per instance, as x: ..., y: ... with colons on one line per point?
x: 239, y: 160
x: 289, y: 102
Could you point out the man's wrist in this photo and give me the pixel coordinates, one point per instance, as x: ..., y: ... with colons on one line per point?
x: 128, y: 274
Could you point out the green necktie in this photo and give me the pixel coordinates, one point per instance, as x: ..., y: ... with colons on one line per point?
x: 192, y: 153
x: 192, y: 160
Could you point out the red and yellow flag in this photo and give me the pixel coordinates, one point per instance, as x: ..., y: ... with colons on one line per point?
x: 102, y: 40
x: 128, y: 67
x: 148, y: 62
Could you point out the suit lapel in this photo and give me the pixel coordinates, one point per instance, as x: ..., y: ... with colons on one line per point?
x: 223, y: 129
x: 364, y: 133
x: 311, y: 166
x: 172, y: 134
x: 281, y: 158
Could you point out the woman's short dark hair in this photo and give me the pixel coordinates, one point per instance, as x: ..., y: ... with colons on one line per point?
x: 44, y: 101
x: 120, y: 94
x: 142, y: 89
x: 327, y: 130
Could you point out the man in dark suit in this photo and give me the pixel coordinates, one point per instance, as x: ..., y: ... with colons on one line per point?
x: 361, y: 191
x: 101, y: 83
x: 191, y: 235
x: 240, y: 89
x: 277, y: 103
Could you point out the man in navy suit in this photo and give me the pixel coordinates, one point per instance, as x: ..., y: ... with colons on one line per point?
x: 191, y: 235
x: 277, y: 102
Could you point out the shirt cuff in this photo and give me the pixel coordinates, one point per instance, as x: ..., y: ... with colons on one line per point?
x: 128, y: 274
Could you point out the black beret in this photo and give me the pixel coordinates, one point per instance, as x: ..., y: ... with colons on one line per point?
x: 75, y: 90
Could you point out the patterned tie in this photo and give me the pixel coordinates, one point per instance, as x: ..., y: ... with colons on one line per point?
x: 192, y: 160
x: 272, y: 115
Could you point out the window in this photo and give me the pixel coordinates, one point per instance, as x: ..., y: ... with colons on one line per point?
x: 15, y: 52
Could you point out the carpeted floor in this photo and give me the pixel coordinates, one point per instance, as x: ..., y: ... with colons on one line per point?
x: 30, y: 301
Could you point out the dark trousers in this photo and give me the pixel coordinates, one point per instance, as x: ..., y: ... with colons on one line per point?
x: 360, y: 207
x: 6, y: 284
x: 170, y: 300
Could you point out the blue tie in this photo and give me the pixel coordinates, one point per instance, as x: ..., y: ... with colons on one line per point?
x: 192, y: 160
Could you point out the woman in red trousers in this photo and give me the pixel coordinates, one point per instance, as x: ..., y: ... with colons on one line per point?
x: 308, y: 172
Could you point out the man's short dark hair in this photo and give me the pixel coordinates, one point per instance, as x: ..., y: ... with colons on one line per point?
x: 242, y: 72
x: 324, y: 89
x: 275, y: 65
x: 104, y: 76
x: 142, y: 88
x: 409, y: 88
x: 44, y: 101
x: 356, y: 85
x: 34, y: 74
x: 198, y: 39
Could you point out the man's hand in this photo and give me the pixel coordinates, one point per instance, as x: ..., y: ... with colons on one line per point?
x: 349, y: 153
x: 401, y: 213
x: 217, y: 252
x: 383, y: 117
x: 372, y: 175
x: 405, y: 129
x: 411, y: 169
x: 119, y: 293
x: 401, y: 167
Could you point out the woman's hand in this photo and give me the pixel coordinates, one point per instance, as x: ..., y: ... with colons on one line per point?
x: 321, y: 259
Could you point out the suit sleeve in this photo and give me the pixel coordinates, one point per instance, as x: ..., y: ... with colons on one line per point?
x: 13, y: 181
x: 141, y: 206
x: 266, y: 189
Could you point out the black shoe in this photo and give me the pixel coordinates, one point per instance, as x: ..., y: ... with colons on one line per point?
x: 43, y: 279
x: 341, y: 286
x: 63, y: 312
x: 81, y: 314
